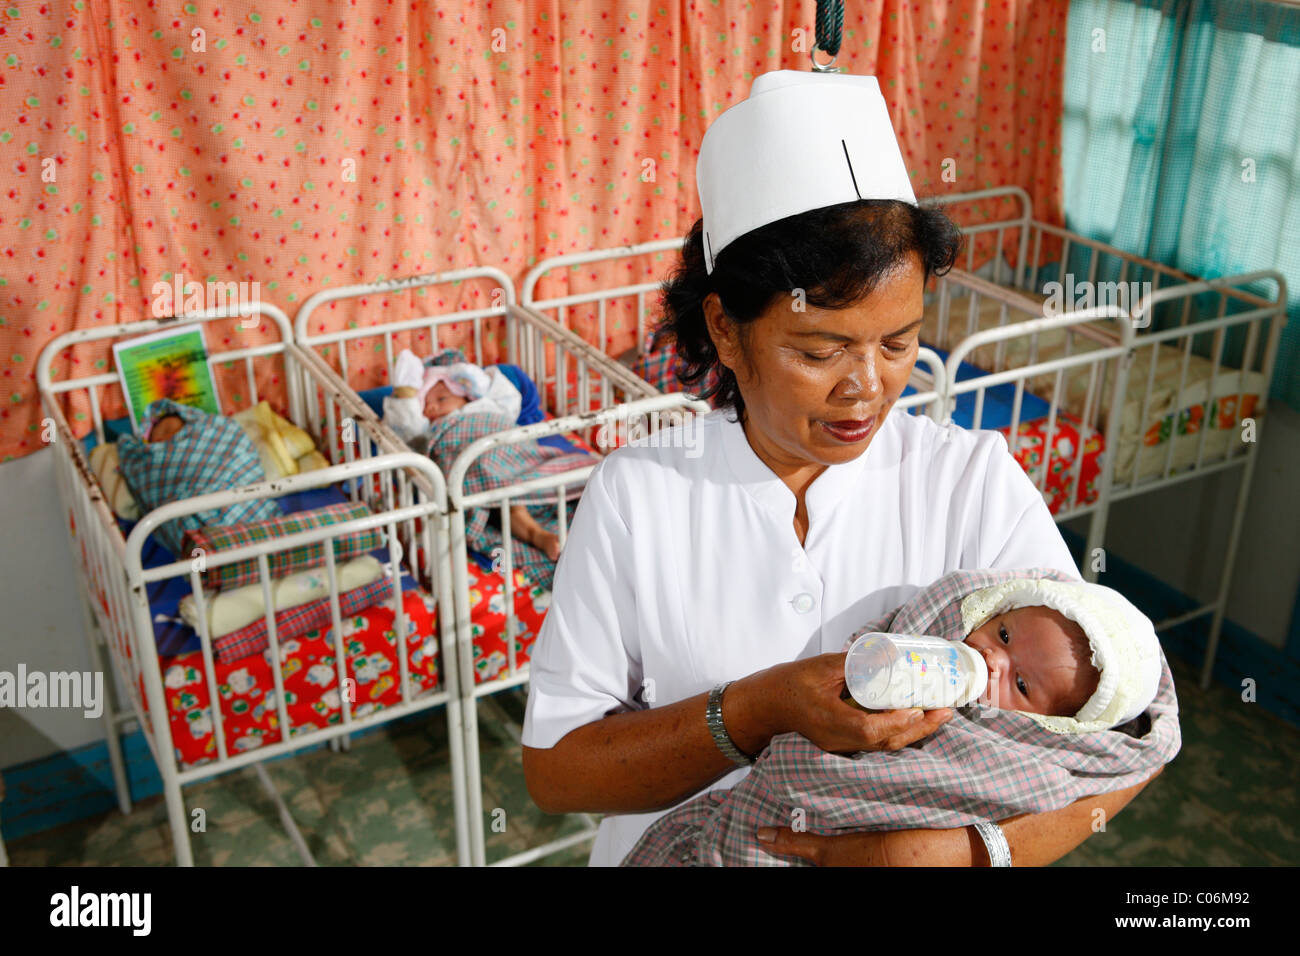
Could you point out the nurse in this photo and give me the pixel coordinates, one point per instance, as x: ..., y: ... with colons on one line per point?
x: 708, y: 585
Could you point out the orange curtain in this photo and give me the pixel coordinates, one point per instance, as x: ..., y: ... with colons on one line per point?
x: 315, y: 144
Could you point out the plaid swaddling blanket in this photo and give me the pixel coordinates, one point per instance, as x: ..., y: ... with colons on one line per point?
x: 500, y: 466
x: 981, y: 765
x: 211, y: 453
x: 657, y: 364
x: 215, y: 539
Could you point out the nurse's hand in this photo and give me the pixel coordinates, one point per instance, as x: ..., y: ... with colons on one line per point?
x: 806, y: 697
x: 846, y: 849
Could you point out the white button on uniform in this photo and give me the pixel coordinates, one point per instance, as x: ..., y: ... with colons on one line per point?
x: 803, y: 603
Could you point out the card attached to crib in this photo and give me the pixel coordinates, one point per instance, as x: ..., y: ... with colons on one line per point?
x: 171, y: 364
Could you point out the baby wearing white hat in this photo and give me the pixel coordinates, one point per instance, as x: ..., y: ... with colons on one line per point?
x: 423, y: 394
x: 1076, y: 657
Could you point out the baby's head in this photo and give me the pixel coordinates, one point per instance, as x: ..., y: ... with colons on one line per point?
x: 1039, y: 662
x: 166, y: 418
x: 449, y: 388
x: 1076, y: 655
x: 165, y: 428
x: 440, y: 401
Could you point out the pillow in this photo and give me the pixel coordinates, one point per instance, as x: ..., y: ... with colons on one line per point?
x: 259, y: 424
x: 296, y: 441
x: 312, y: 461
x: 235, y: 608
x: 104, y: 465
x: 294, y: 622
x: 214, y: 540
x: 530, y: 406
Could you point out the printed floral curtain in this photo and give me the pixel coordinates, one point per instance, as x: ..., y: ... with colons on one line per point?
x: 310, y: 145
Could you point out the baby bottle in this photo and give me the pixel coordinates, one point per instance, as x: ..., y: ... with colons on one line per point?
x: 889, y: 671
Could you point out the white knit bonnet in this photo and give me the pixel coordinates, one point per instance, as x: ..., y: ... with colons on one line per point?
x: 1125, y: 649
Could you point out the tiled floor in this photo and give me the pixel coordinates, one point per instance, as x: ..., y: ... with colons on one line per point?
x: 1230, y: 798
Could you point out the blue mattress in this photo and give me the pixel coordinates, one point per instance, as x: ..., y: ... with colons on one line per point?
x: 998, y: 400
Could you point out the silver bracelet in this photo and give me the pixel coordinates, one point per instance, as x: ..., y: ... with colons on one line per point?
x: 713, y: 715
x: 995, y: 841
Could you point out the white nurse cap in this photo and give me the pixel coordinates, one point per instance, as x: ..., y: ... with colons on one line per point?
x: 800, y: 141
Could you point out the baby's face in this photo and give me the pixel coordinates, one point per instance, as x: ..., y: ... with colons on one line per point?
x: 1038, y: 662
x: 441, y: 401
x: 165, y: 428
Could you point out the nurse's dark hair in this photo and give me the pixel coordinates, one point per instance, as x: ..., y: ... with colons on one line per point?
x: 837, y: 255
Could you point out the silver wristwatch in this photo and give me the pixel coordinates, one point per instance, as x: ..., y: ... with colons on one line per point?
x: 713, y: 714
x: 995, y: 841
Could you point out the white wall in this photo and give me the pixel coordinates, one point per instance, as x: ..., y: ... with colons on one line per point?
x: 41, y: 622
x: 1180, y: 533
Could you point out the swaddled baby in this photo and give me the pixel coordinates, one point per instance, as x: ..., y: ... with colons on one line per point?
x: 426, y: 399
x: 1078, y: 653
x: 1069, y: 662
x: 426, y: 392
x: 185, y: 452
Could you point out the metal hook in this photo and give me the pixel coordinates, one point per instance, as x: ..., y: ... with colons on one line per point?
x: 828, y: 67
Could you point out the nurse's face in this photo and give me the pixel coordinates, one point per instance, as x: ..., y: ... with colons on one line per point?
x: 817, y: 384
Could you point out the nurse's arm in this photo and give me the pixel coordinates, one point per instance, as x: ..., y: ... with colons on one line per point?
x: 1035, y: 839
x: 647, y: 760
x: 633, y: 762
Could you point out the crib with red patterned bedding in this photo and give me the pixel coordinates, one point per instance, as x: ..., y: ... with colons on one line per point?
x: 346, y: 673
x: 587, y: 400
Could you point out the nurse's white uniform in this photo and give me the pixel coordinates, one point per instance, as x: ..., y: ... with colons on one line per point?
x: 682, y: 568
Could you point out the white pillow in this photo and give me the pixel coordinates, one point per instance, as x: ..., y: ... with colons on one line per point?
x: 228, y: 611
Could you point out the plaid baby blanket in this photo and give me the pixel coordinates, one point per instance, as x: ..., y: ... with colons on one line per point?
x: 981, y: 765
x: 210, y: 453
x: 293, y: 622
x: 215, y: 539
x: 500, y: 466
x: 658, y: 364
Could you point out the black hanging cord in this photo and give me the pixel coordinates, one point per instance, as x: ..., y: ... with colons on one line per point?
x: 830, y: 25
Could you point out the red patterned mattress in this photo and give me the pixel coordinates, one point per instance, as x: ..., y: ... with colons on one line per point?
x: 1066, y: 448
x: 246, y: 687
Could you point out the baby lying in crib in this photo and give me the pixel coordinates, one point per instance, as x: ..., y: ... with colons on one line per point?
x: 441, y: 408
x: 183, y: 452
x: 1083, y: 704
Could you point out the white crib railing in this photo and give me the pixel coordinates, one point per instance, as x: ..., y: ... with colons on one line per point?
x: 679, y: 408
x: 575, y: 382
x: 557, y: 307
x: 115, y: 582
x: 1125, y: 399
